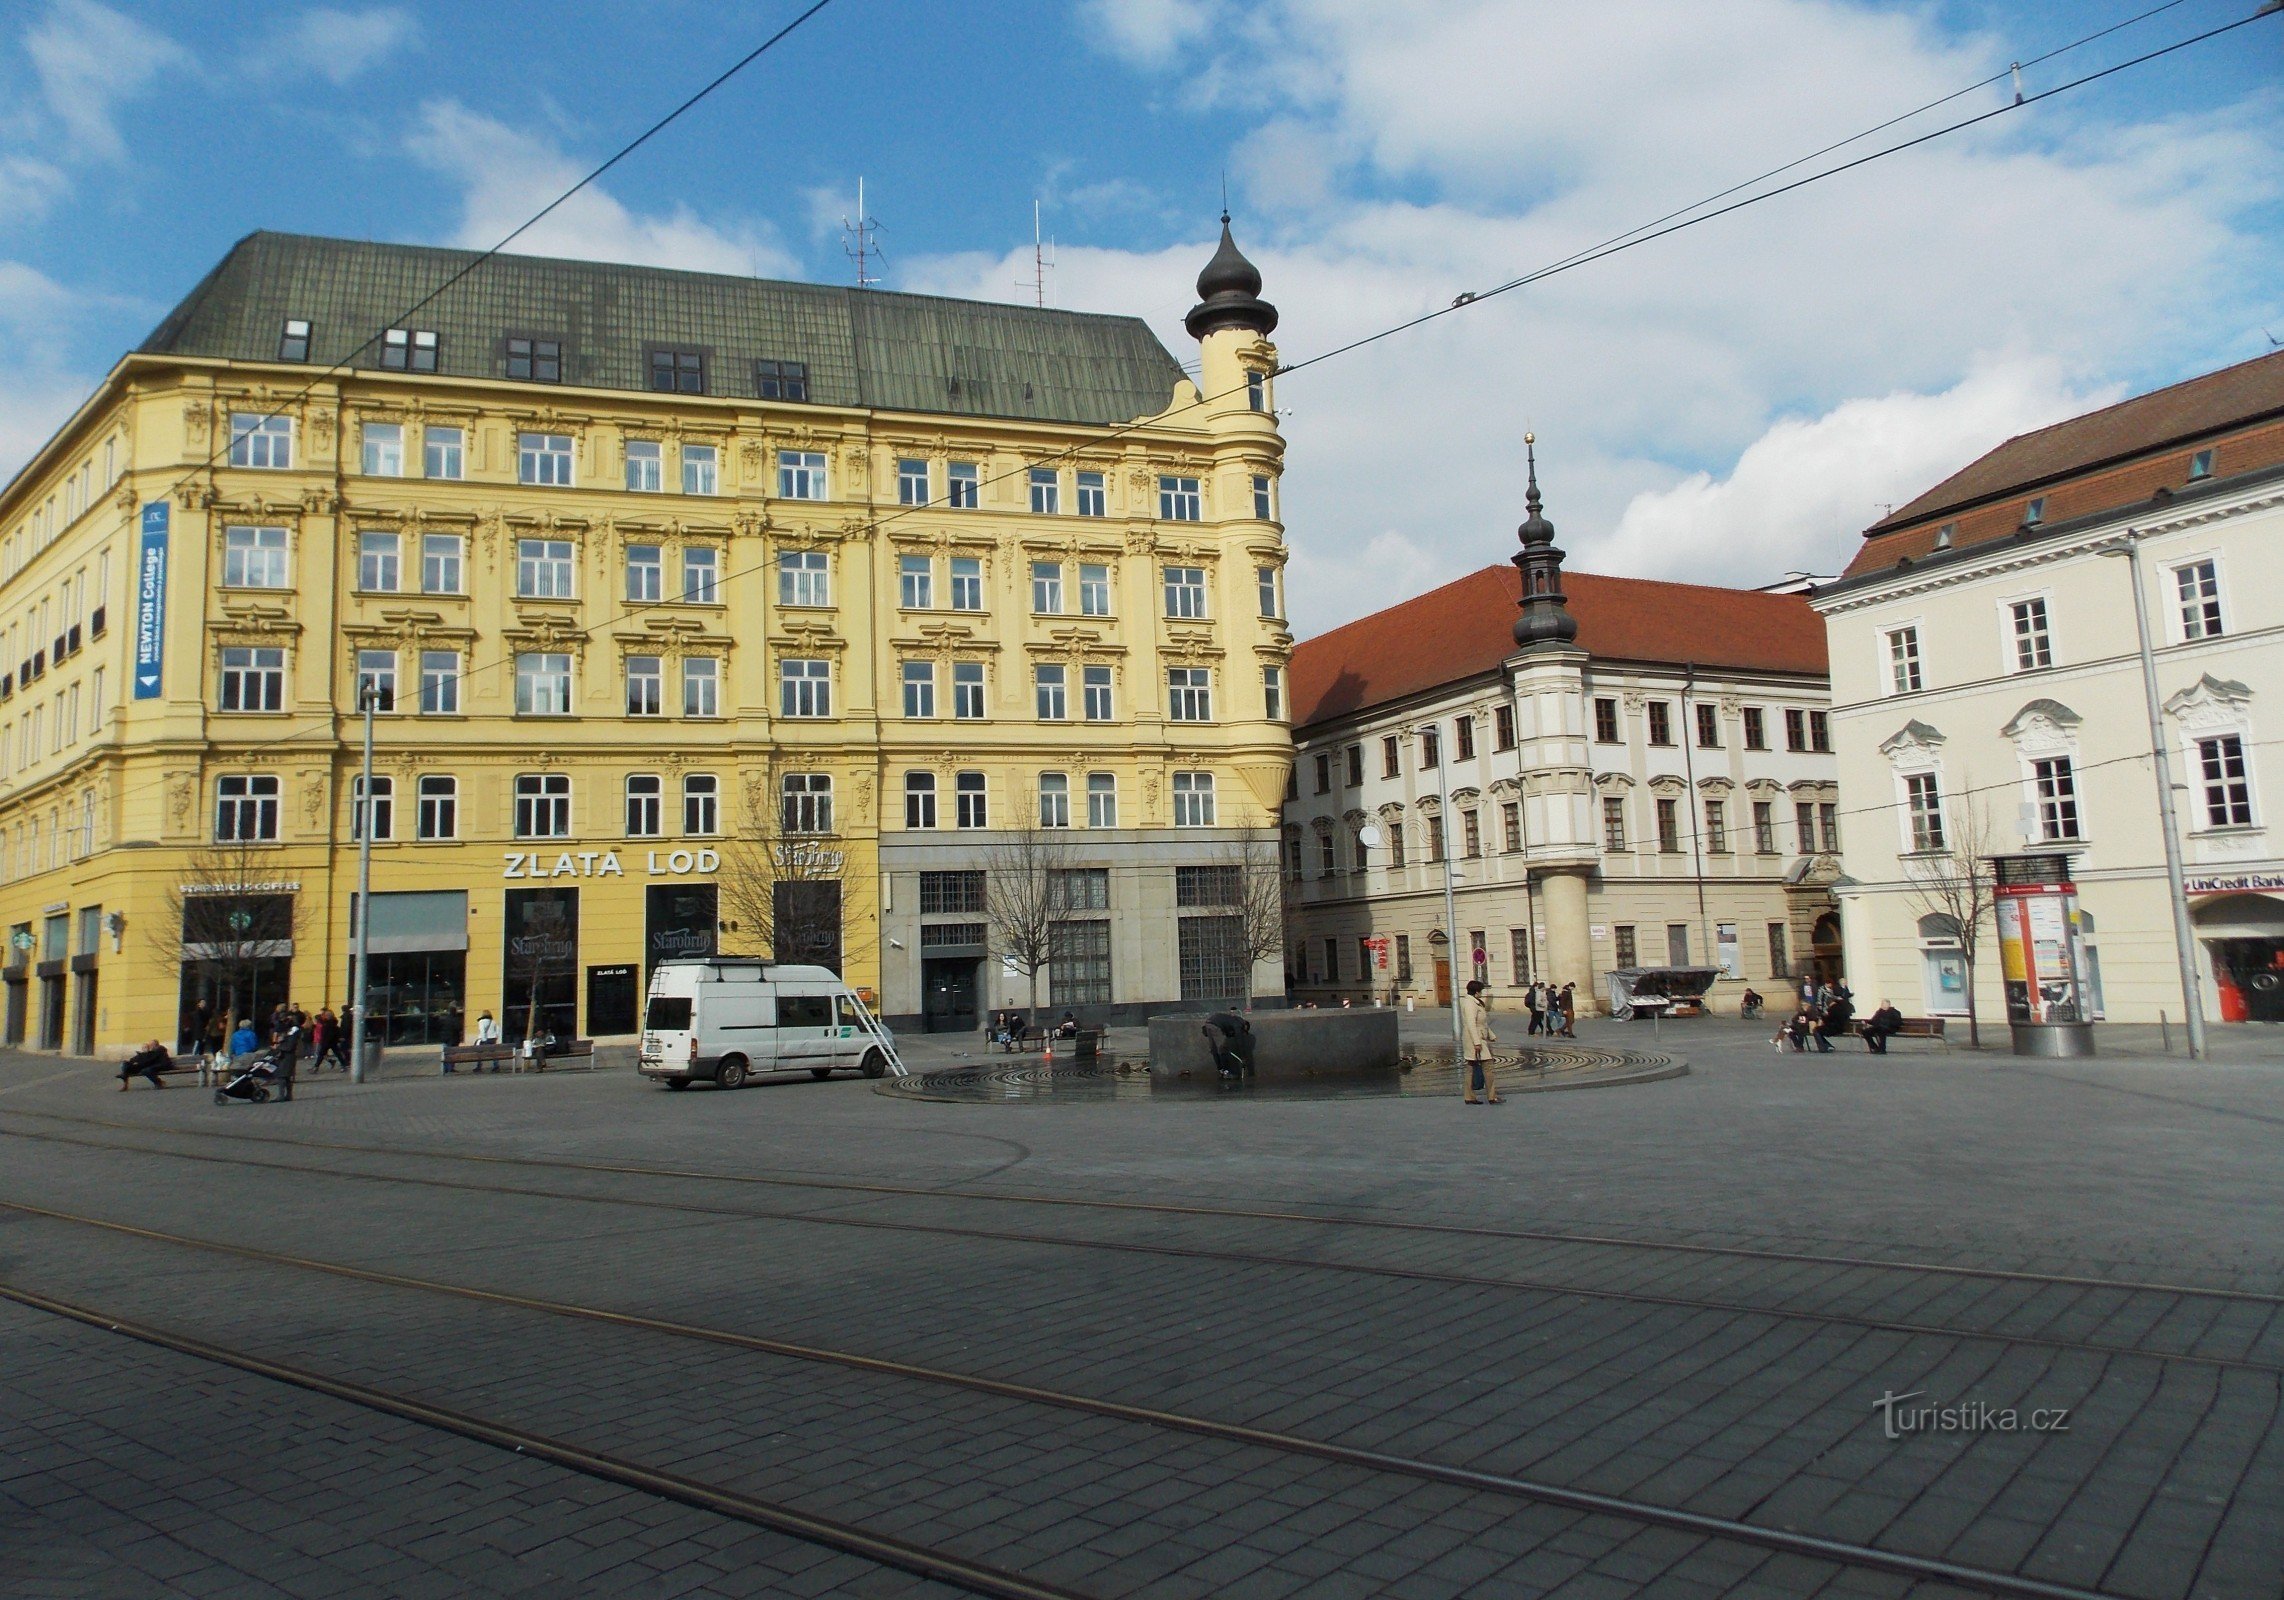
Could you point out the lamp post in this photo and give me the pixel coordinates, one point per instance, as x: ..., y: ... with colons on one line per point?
x: 367, y: 695
x: 2128, y: 545
x: 1450, y: 898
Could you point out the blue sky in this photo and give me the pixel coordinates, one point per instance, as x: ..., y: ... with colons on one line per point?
x: 1722, y: 406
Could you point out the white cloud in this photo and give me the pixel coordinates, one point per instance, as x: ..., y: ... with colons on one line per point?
x: 88, y: 59
x: 506, y: 175
x: 337, y: 45
x: 41, y: 389
x: 27, y: 188
x: 1151, y: 33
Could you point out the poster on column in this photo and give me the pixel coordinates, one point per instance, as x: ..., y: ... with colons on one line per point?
x: 151, y: 602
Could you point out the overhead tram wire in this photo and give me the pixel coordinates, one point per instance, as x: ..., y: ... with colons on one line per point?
x: 1646, y: 234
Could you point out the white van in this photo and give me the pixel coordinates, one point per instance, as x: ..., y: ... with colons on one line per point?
x: 724, y: 1020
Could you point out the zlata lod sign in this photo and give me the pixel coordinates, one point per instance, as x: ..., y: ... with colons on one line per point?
x: 605, y: 864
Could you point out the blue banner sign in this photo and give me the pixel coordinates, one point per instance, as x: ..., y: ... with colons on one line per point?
x: 151, y: 602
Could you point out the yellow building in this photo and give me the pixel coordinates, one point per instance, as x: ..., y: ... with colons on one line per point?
x: 657, y: 573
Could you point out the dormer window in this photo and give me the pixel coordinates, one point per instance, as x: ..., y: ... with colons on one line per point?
x: 677, y: 371
x: 2034, y: 513
x: 1945, y: 534
x: 781, y: 380
x: 535, y: 360
x: 408, y: 350
x: 293, y: 341
x: 2200, y: 465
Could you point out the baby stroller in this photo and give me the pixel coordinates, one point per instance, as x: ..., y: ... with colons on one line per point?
x: 254, y: 1075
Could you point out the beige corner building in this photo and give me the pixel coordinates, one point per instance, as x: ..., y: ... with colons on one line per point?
x: 646, y: 566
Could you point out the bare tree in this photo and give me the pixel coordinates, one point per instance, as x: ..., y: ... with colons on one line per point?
x: 1024, y: 897
x: 224, y: 920
x: 1956, y: 883
x: 780, y: 877
x: 539, y: 951
x: 1256, y: 889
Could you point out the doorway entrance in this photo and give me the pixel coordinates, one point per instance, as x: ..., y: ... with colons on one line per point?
x: 1443, y: 980
x: 2243, y: 936
x: 1830, y: 957
x: 948, y: 990
x: 83, y: 1013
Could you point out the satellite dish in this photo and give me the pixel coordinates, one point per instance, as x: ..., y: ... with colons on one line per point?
x: 1368, y: 836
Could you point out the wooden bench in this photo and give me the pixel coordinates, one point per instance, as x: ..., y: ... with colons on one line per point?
x: 1029, y: 1042
x: 1914, y: 1028
x: 476, y: 1057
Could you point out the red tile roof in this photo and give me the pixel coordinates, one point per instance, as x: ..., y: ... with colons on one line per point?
x: 1462, y: 629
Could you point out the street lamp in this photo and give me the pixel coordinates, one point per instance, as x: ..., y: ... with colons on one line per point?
x: 1450, y: 897
x: 368, y: 697
x: 2128, y: 545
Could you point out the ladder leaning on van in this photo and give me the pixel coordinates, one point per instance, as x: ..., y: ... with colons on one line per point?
x: 880, y: 1037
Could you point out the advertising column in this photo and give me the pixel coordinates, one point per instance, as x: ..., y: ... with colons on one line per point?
x: 2035, y: 907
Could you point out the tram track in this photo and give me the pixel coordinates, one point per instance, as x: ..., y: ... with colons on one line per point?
x: 1191, y: 1252
x: 925, y: 1560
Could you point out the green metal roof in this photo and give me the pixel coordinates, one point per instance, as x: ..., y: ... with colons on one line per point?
x: 863, y: 347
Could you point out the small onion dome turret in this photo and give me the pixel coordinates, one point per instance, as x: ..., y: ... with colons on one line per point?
x: 1229, y: 293
x: 1546, y: 617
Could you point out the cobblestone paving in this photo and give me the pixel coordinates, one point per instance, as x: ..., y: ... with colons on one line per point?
x: 126, y: 1470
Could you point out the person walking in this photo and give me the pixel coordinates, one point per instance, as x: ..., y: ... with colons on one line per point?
x: 1534, y: 1000
x: 1476, y: 1039
x: 1566, y: 1006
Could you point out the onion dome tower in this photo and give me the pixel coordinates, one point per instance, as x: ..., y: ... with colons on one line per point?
x: 1229, y: 293
x: 1546, y: 617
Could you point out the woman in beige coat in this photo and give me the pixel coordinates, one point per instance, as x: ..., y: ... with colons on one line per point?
x: 1476, y: 1040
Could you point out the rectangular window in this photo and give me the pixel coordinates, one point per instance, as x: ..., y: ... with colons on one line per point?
x: 384, y: 449
x: 967, y: 583
x: 1804, y: 824
x: 701, y: 469
x: 1925, y: 801
x: 701, y: 686
x: 1323, y: 774
x: 377, y: 675
x: 1795, y: 729
x: 1047, y: 588
x: 701, y: 576
x: 915, y: 582
x: 781, y: 380
x: 544, y: 458
x: 1054, y: 800
x: 1079, y: 889
x: 1503, y: 727
x: 1395, y: 843
x: 1764, y: 827
x: 800, y: 474
x: 439, y: 800
x: 1193, y: 800
x: 1328, y: 856
x: 293, y: 340
x: 1431, y: 749
x: 1661, y: 722
x: 804, y: 579
x: 245, y: 810
x: 646, y: 806
x: 1095, y: 682
x: 1101, y: 800
x: 646, y: 573
x: 1264, y: 499
x: 440, y: 563
x: 1464, y: 746
x: 967, y: 691
x: 1677, y: 944
x: 1613, y: 823
x: 911, y: 481
x: 1179, y: 500
x: 1391, y: 757
x: 2199, y: 586
x: 2057, y: 788
x: 919, y: 799
x: 1511, y: 826
x: 701, y: 804
x: 543, y: 684
x: 963, y: 485
x: 1094, y: 590
x: 1185, y: 592
x: 646, y: 466
x: 1708, y: 726
x: 543, y: 569
x: 677, y: 371
x: 972, y: 808
x: 1669, y: 826
x: 1903, y: 661
x: 1519, y: 955
x: 1471, y: 834
x: 408, y: 350
x: 1265, y: 584
x: 442, y: 452
x: 1831, y: 815
x: 1273, y: 693
x: 2033, y: 642
x: 261, y: 441
x: 1779, y: 966
x: 805, y: 688
x: 1606, y: 721
x: 1716, y: 827
x: 1435, y: 838
x: 919, y: 678
x: 1046, y: 491
x: 1756, y: 729
x: 806, y: 799
x: 1256, y: 389
x: 254, y: 558
x: 944, y: 893
x: 1051, y: 693
x: 1353, y: 765
x: 252, y: 680
x: 2200, y: 465
x: 1094, y: 499
x: 2034, y: 512
x: 1078, y: 962
x: 377, y: 563
x: 1189, y: 694
x: 383, y: 806
x: 1820, y: 732
x: 542, y: 805
x: 440, y: 682
x: 2228, y: 788
x: 1627, y: 954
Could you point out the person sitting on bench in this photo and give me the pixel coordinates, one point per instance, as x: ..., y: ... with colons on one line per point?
x: 153, y: 1059
x: 1881, y: 1026
x: 1068, y: 1028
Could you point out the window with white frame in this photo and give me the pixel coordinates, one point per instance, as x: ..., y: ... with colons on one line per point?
x: 702, y: 470
x: 544, y: 569
x: 1046, y: 491
x: 911, y: 482
x: 440, y: 563
x: 800, y: 474
x: 1094, y: 590
x: 1095, y: 690
x: 1256, y: 389
x: 1101, y: 800
x: 1094, y: 497
x: 1193, y: 800
x: 807, y: 803
x: 2033, y: 639
x: 383, y: 455
x: 701, y: 686
x: 1264, y: 498
x: 2056, y: 787
x: 443, y: 452
x: 1179, y: 500
x: 1189, y: 694
x: 919, y: 799
x: 377, y: 674
x: 1923, y: 801
x: 1265, y: 585
x: 646, y: 573
x: 646, y: 686
x: 382, y: 807
x: 970, y: 809
x: 645, y: 805
x: 804, y: 688
x: 967, y: 691
x: 646, y: 466
x: 253, y: 679
x: 1273, y: 693
x: 438, y: 798
x: 701, y: 804
x: 963, y: 486
x: 1054, y: 800
x: 542, y: 805
x: 543, y: 684
x: 1185, y: 592
x: 2198, y: 586
x: 919, y: 688
x: 544, y: 459
x: 245, y: 809
x: 440, y: 682
x: 293, y: 340
x: 253, y: 558
x: 1051, y: 688
x: 1047, y: 588
x: 701, y: 575
x: 377, y: 562
x: 804, y: 579
x: 2226, y: 784
x: 967, y: 583
x: 916, y: 582
x: 1903, y: 661
x: 261, y: 441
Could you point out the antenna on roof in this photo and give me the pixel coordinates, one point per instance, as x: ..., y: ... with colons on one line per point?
x: 860, y: 245
x: 1042, y: 261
